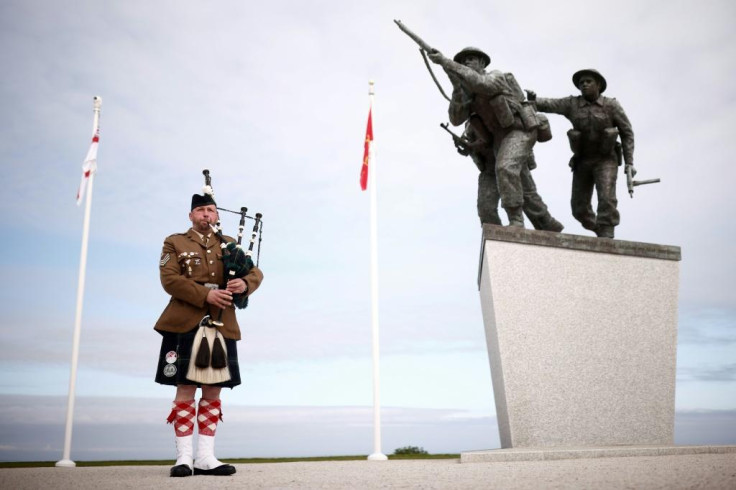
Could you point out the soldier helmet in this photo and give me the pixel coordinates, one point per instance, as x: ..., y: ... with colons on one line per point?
x: 589, y: 71
x: 460, y: 57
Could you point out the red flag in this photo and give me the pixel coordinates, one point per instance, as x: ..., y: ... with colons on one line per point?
x: 89, y: 165
x: 367, y: 151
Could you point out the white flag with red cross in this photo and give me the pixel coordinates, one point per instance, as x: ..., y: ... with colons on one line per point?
x: 89, y: 165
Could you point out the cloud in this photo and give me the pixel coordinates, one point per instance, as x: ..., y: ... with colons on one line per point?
x: 130, y: 428
x: 725, y: 373
x: 135, y: 428
x: 273, y: 99
x: 704, y: 427
x: 707, y: 326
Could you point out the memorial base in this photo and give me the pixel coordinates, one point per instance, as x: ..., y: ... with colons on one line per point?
x: 551, y: 454
x: 582, y: 336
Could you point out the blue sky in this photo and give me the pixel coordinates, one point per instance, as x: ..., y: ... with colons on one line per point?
x: 273, y: 100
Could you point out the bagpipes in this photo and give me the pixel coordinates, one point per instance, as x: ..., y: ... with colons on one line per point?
x: 236, y: 261
x: 208, y: 365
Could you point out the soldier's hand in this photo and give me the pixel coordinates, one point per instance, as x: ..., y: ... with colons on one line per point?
x: 633, y: 170
x: 435, y: 56
x: 531, y: 95
x: 237, y: 286
x: 220, y: 298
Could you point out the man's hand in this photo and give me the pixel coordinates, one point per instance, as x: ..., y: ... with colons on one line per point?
x: 633, y: 170
x: 220, y: 297
x: 236, y: 286
x: 531, y: 95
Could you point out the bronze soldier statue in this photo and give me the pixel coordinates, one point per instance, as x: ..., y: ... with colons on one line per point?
x: 597, y: 122
x: 477, y: 143
x: 498, y: 102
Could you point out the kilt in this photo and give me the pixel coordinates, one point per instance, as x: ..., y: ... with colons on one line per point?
x: 172, y: 369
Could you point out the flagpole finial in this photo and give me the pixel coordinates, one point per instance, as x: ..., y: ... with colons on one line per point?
x: 97, y: 101
x: 370, y: 85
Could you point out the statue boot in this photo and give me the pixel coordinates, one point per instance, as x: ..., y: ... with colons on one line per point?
x: 516, y: 216
x: 553, y: 225
x: 604, y: 231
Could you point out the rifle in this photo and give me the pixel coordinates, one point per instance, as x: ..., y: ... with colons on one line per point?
x: 461, y: 143
x: 631, y: 183
x: 422, y: 44
x: 423, y: 48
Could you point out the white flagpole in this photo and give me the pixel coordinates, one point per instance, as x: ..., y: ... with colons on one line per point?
x: 66, y: 460
x: 377, y: 453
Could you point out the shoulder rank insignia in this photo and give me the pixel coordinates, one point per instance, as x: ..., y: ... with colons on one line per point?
x: 164, y: 258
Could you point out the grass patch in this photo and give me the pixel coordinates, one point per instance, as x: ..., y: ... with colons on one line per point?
x: 169, y: 462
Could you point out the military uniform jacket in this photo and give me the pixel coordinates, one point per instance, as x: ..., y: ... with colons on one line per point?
x: 591, y: 118
x: 487, y: 94
x: 186, y: 265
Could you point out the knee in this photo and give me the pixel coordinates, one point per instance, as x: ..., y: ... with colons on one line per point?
x: 511, y: 168
x: 580, y: 209
x: 185, y: 392
x: 211, y: 392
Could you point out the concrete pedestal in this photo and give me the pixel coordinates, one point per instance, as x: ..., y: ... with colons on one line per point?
x: 582, y: 337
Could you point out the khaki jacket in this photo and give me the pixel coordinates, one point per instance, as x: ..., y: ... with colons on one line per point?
x: 591, y: 118
x: 186, y: 266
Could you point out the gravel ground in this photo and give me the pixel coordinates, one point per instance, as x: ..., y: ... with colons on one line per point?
x: 706, y: 471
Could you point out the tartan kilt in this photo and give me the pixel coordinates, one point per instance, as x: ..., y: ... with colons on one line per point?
x: 176, y: 351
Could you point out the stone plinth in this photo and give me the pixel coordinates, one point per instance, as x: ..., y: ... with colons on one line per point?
x: 588, y: 452
x: 582, y: 337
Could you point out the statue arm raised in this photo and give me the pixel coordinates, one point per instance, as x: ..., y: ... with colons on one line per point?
x: 556, y: 106
x: 489, y: 84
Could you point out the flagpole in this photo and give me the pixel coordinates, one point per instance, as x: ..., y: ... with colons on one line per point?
x: 377, y: 453
x: 66, y: 460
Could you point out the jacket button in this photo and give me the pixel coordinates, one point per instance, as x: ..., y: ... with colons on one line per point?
x: 212, y: 274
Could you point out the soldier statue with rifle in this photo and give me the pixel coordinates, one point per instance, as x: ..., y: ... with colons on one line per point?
x: 597, y: 123
x: 494, y: 103
x: 477, y: 143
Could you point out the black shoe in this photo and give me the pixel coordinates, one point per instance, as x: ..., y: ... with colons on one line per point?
x: 222, y: 470
x: 180, y: 470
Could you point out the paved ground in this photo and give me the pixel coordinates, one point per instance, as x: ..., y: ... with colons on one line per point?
x: 701, y: 471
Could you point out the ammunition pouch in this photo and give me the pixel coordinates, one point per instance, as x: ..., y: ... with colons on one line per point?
x: 575, y: 137
x: 619, y: 153
x: 544, y: 131
x: 608, y: 140
x: 502, y: 111
x: 529, y: 117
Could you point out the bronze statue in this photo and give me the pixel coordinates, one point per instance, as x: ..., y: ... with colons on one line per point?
x: 477, y: 143
x: 499, y: 104
x: 597, y: 123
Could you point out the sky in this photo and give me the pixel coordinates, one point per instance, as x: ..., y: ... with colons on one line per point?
x: 272, y: 98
